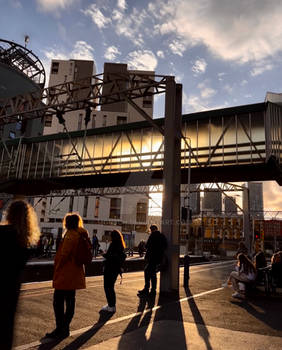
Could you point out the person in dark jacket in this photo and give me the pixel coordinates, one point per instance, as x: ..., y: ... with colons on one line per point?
x: 114, y: 258
x: 18, y: 233
x: 155, y: 248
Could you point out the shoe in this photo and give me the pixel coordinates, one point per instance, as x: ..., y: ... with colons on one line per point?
x: 108, y: 308
x: 238, y: 295
x: 58, y: 334
x: 143, y: 292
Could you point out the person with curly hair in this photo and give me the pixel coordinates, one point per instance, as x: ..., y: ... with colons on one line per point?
x: 18, y: 232
x: 68, y: 276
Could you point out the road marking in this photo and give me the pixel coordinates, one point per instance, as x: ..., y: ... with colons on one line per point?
x: 123, y: 318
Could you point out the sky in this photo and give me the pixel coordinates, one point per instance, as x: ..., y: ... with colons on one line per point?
x: 225, y: 53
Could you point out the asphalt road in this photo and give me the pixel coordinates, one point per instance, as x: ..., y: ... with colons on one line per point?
x: 205, y: 305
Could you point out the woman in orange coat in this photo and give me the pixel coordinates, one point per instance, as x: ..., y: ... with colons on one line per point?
x: 68, y: 275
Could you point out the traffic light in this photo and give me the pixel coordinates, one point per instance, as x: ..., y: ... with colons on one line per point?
x: 257, y: 234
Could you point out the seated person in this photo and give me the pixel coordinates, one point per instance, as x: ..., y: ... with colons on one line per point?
x: 259, y: 263
x: 245, y: 273
x: 276, y: 268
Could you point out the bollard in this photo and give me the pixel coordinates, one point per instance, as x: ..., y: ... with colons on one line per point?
x: 186, y: 276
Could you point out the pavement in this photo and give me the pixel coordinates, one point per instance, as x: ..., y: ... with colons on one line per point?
x: 203, y: 317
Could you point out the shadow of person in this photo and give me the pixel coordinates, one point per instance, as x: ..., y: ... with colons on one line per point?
x: 168, y: 323
x: 199, y: 321
x: 266, y: 309
x: 84, y: 337
x: 48, y: 343
x: 139, y: 322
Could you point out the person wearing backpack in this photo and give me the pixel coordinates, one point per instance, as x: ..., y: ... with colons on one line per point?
x: 69, y: 274
x: 114, y: 259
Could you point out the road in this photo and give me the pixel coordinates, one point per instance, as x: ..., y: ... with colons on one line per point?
x: 205, y: 316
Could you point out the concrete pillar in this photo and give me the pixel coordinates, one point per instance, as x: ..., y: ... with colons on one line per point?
x: 171, y: 184
x: 248, y: 236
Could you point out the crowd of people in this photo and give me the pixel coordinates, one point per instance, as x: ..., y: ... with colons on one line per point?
x: 20, y: 231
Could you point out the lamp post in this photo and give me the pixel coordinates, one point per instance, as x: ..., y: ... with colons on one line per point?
x: 186, y: 257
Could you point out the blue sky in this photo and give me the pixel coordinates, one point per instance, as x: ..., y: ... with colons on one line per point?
x: 225, y: 53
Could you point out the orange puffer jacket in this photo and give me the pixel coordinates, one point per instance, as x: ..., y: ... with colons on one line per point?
x: 67, y: 274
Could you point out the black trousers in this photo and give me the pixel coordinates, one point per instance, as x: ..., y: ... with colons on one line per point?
x: 110, y: 278
x: 150, y: 274
x: 63, y: 317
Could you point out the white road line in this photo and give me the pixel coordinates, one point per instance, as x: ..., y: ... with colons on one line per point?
x: 123, y: 318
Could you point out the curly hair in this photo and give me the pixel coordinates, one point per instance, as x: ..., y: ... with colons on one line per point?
x: 21, y: 215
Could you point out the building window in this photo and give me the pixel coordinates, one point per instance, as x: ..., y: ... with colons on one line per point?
x: 104, y: 120
x: 55, y: 68
x: 79, y: 125
x: 121, y: 120
x: 97, y: 204
x: 85, y: 206
x: 115, y: 208
x: 48, y: 121
x: 141, y: 212
x: 12, y: 135
x: 147, y: 101
x: 71, y: 204
x: 93, y: 121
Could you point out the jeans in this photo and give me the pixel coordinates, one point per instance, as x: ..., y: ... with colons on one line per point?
x: 63, y: 318
x: 110, y: 278
x: 150, y: 275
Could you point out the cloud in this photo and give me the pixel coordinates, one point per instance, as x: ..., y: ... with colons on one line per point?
x: 52, y: 5
x: 199, y: 66
x: 122, y: 4
x: 260, y: 68
x: 177, y: 47
x: 142, y: 60
x: 16, y: 4
x: 244, y: 82
x: 241, y: 31
x: 81, y: 51
x: 272, y: 195
x: 111, y: 53
x: 228, y: 88
x: 160, y: 54
x: 97, y: 16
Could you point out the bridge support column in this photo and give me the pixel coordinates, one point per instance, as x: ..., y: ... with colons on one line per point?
x: 171, y: 184
x: 248, y: 237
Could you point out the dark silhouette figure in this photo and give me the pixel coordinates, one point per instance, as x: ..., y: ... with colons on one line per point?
x: 18, y: 233
x: 155, y: 248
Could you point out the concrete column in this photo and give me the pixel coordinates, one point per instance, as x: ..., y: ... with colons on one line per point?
x: 171, y: 184
x: 248, y: 236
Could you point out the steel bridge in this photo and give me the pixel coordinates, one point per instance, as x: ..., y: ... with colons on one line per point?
x: 233, y: 144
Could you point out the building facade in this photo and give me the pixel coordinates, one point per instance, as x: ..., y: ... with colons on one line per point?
x: 101, y: 214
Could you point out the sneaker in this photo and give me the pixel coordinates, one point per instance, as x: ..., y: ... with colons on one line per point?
x: 238, y: 295
x: 143, y: 292
x: 226, y: 285
x: 108, y: 308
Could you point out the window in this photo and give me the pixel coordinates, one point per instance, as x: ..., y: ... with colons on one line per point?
x: 85, y: 206
x: 147, y: 101
x: 12, y: 135
x: 115, y: 208
x: 104, y: 120
x: 93, y: 121
x: 48, y: 121
x: 79, y: 122
x: 121, y: 120
x: 55, y: 68
x: 141, y: 212
x: 97, y: 204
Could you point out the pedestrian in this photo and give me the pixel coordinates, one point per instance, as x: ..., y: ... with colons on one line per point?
x: 241, y: 249
x: 245, y: 272
x: 18, y: 233
x: 95, y: 244
x: 114, y: 259
x: 155, y: 248
x: 68, y: 275
x: 141, y: 248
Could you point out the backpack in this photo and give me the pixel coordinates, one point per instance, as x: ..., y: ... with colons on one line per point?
x: 84, y: 250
